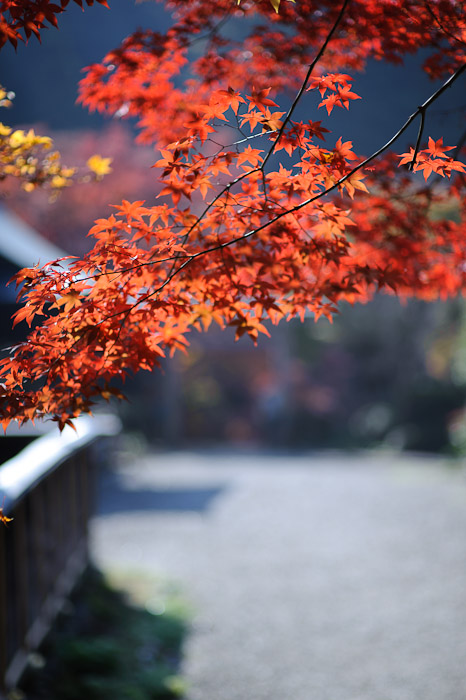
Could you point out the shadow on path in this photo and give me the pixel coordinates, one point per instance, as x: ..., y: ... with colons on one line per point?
x: 117, y: 497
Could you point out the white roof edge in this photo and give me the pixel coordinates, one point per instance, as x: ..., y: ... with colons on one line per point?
x: 21, y: 244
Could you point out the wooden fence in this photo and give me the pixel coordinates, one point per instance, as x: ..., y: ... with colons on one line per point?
x: 48, y: 488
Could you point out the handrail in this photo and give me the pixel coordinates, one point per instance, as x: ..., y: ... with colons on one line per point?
x: 20, y: 474
x: 48, y: 490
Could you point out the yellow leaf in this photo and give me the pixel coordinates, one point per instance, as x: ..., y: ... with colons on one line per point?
x: 3, y: 518
x: 59, y: 181
x: 100, y: 166
x: 17, y: 138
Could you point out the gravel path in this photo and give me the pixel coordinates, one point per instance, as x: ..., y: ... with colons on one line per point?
x: 317, y: 577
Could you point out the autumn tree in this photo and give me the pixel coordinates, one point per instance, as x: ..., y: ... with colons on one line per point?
x: 260, y: 216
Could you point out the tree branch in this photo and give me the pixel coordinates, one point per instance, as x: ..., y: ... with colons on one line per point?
x: 306, y: 80
x: 337, y: 184
x: 187, y: 259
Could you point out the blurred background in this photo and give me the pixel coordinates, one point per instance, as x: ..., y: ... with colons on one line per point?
x: 383, y: 374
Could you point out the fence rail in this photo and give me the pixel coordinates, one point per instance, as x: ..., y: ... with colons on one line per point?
x: 48, y: 488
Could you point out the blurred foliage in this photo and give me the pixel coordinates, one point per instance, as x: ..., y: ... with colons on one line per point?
x: 383, y: 374
x: 389, y: 369
x: 105, y: 647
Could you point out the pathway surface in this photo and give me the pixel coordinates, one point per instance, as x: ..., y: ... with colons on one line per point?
x: 318, y: 577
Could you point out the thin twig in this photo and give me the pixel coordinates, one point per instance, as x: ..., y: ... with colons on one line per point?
x: 282, y: 128
x: 442, y: 28
x: 305, y: 81
x: 419, y: 137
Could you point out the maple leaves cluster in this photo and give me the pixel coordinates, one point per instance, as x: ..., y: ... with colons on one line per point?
x: 20, y: 19
x: 147, y: 77
x: 432, y: 159
x: 258, y: 218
